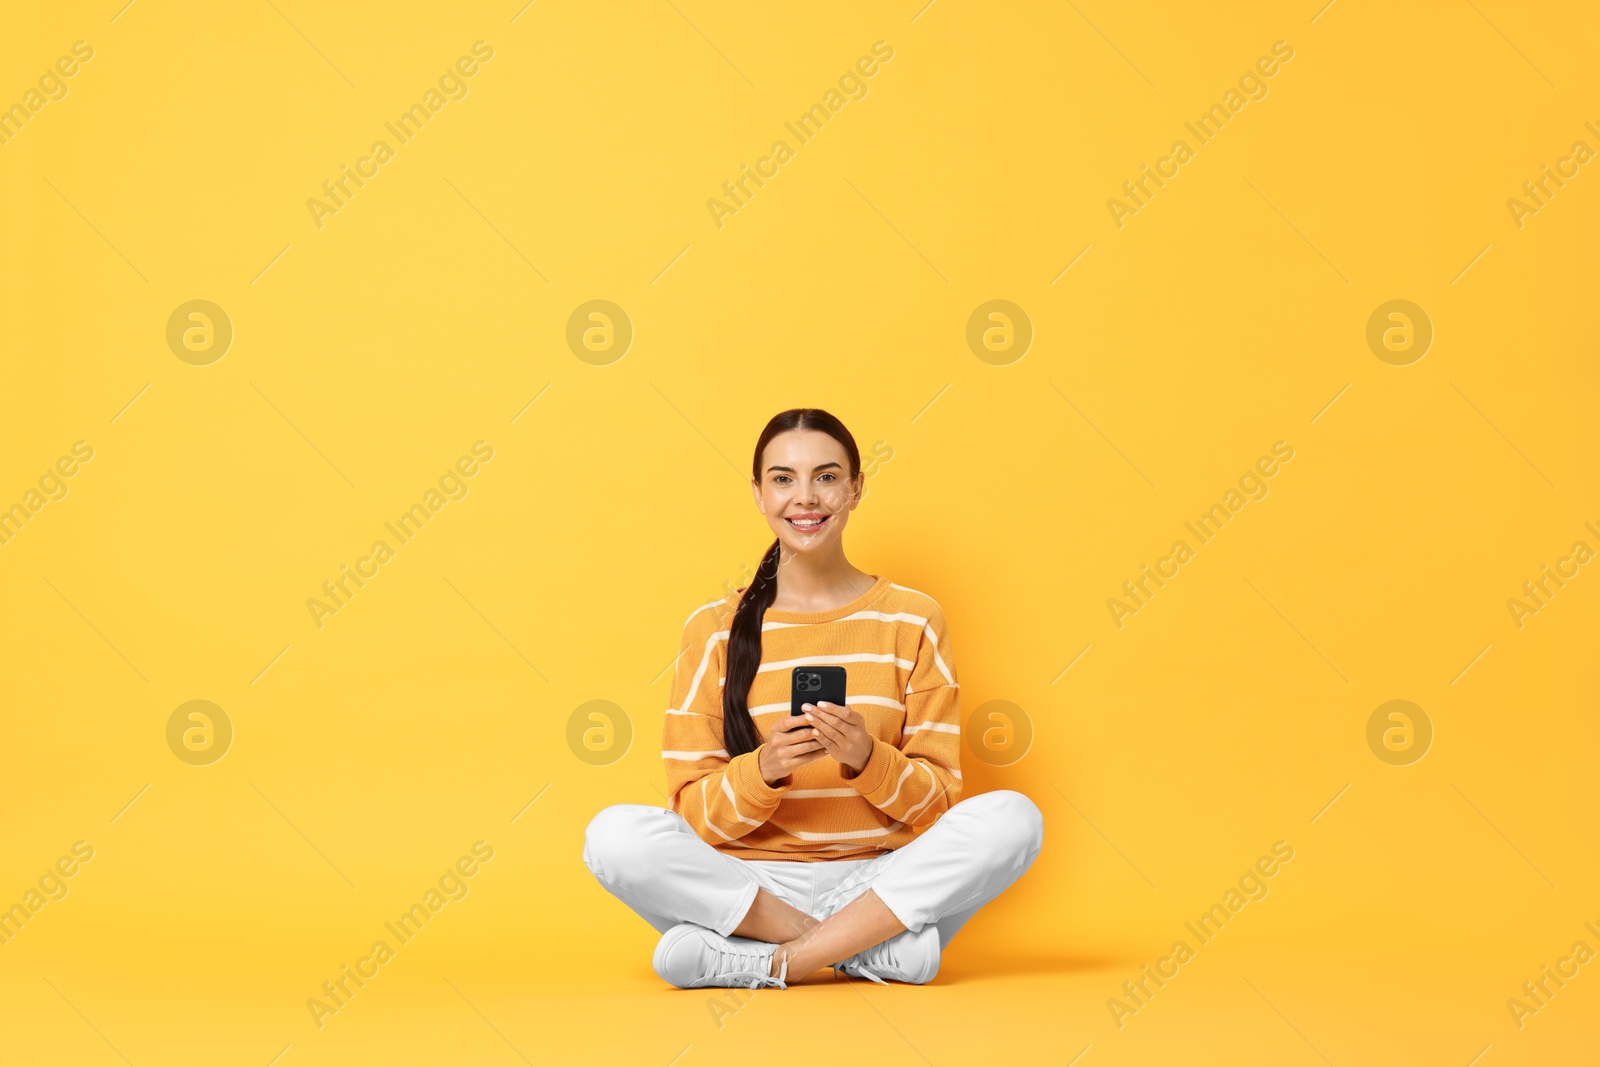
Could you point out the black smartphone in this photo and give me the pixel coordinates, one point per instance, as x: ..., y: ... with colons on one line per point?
x: 816, y: 685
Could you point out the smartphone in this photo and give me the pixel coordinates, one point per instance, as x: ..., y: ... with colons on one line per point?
x: 816, y: 685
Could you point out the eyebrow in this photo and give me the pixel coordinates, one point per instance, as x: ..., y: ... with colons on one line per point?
x: 818, y: 467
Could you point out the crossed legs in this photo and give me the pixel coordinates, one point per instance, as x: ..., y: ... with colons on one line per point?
x: 810, y: 944
x: 652, y: 860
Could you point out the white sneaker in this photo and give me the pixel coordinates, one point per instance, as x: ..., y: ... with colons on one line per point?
x: 691, y: 956
x: 905, y: 957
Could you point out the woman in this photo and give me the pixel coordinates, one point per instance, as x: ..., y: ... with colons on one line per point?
x: 793, y: 843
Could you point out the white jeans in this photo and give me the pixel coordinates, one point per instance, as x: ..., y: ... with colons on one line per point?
x: 654, y: 862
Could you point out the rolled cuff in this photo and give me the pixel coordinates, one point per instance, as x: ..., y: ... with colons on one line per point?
x: 745, y: 770
x: 872, y: 775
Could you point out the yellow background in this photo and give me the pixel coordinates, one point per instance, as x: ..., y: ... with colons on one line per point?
x: 428, y: 313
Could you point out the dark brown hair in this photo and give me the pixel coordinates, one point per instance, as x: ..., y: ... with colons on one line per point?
x: 739, y: 733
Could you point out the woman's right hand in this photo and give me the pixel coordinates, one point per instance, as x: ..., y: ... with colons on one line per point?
x: 793, y: 743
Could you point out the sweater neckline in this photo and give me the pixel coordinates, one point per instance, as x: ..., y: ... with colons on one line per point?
x: 879, y: 587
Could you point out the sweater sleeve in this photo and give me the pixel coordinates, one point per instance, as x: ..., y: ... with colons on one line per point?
x: 920, y: 780
x: 721, y: 799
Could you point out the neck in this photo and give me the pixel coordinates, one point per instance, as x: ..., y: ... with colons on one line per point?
x: 806, y: 576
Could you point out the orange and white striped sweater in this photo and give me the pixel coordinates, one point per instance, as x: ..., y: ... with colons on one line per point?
x: 894, y: 646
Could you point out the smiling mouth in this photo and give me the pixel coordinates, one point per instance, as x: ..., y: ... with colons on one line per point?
x: 808, y: 525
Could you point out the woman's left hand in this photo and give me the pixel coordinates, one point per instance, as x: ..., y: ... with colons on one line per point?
x: 843, y: 733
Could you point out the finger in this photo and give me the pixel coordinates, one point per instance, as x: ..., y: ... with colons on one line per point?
x: 800, y: 739
x: 791, y: 722
x: 798, y: 756
x: 792, y: 739
x: 809, y: 757
x: 835, y: 713
x: 827, y: 730
x: 800, y: 733
x: 826, y: 723
x: 845, y: 713
x: 818, y: 735
x: 832, y: 716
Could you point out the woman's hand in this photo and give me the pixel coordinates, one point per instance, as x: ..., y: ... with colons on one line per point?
x: 843, y: 733
x: 792, y: 744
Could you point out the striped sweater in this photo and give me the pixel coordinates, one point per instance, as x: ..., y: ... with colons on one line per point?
x: 894, y: 646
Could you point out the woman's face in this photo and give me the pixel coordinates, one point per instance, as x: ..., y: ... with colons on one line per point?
x: 805, y: 474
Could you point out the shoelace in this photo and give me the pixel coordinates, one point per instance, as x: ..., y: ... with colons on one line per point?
x: 751, y: 965
x: 854, y: 966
